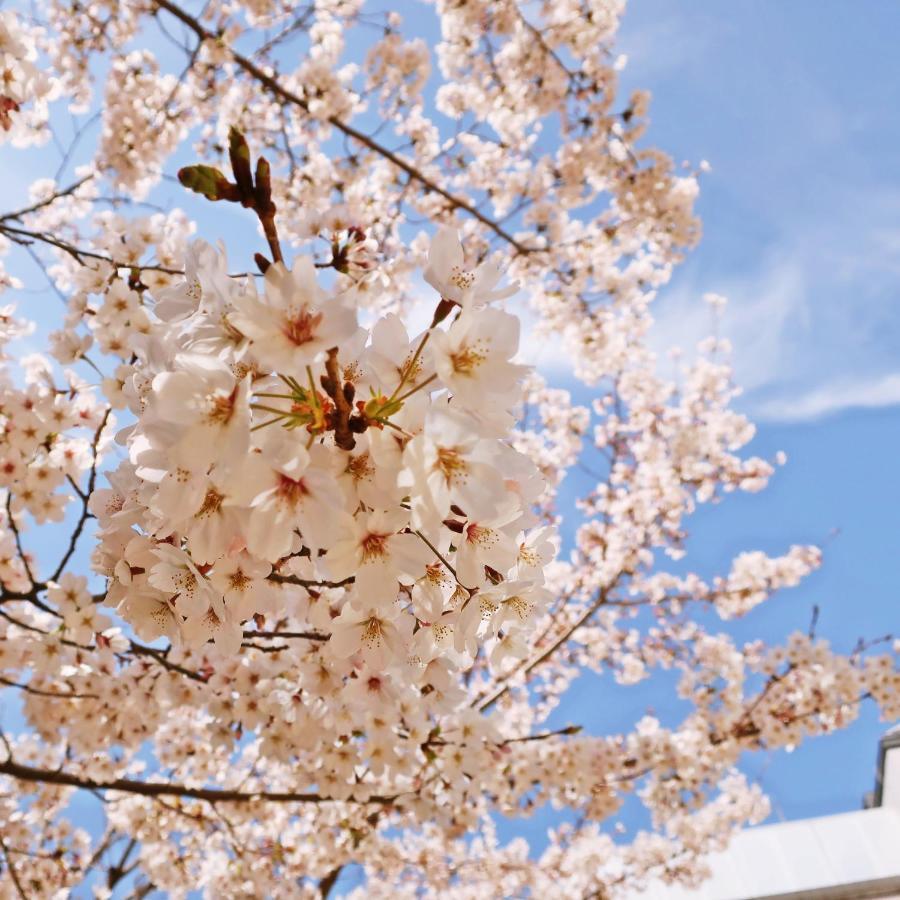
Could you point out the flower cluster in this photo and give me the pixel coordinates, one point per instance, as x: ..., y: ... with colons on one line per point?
x: 48, y: 436
x: 277, y: 440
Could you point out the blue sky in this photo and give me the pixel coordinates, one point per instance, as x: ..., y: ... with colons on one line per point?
x: 794, y: 105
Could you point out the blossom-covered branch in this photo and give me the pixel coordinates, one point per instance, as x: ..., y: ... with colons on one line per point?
x: 313, y: 588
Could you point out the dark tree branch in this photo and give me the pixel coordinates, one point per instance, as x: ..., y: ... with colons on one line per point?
x: 19, y: 213
x: 169, y: 789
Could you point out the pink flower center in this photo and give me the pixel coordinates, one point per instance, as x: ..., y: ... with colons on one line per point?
x: 301, y: 329
x: 291, y: 491
x: 480, y: 534
x: 238, y: 580
x: 212, y: 503
x: 220, y: 407
x: 374, y: 546
x: 451, y: 465
x: 467, y: 360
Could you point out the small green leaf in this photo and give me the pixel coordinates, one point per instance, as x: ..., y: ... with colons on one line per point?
x: 209, y: 182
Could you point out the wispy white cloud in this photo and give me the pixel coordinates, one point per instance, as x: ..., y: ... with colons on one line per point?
x: 864, y: 393
x: 670, y: 43
x: 766, y: 319
x: 814, y: 326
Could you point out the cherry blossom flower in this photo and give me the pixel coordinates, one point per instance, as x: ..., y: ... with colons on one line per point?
x: 447, y: 274
x: 473, y: 358
x: 287, y: 488
x: 205, y: 285
x: 241, y: 580
x: 484, y: 543
x: 450, y: 464
x: 378, y: 553
x: 210, y: 409
x: 176, y: 574
x: 379, y: 632
x: 297, y: 322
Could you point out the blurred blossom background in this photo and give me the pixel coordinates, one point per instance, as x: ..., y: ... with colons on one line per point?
x: 794, y: 107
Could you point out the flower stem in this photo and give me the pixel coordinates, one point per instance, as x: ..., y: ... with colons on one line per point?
x: 440, y: 556
x: 418, y: 387
x: 271, y: 409
x: 312, y: 388
x: 269, y: 422
x: 409, y: 369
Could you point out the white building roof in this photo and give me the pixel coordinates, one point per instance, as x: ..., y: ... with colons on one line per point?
x: 806, y: 858
x: 851, y: 855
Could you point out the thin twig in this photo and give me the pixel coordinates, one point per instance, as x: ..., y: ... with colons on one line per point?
x: 47, y: 201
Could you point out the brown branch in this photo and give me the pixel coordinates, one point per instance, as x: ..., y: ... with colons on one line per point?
x: 47, y: 201
x: 142, y: 890
x: 24, y: 236
x: 160, y: 657
x: 134, y: 647
x: 568, y: 731
x: 334, y: 387
x: 308, y: 583
x: 286, y: 635
x: 169, y: 789
x: 327, y: 883
x: 264, y: 648
x: 18, y: 537
x: 108, y: 840
x: 13, y: 874
x: 116, y: 872
x: 41, y: 693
